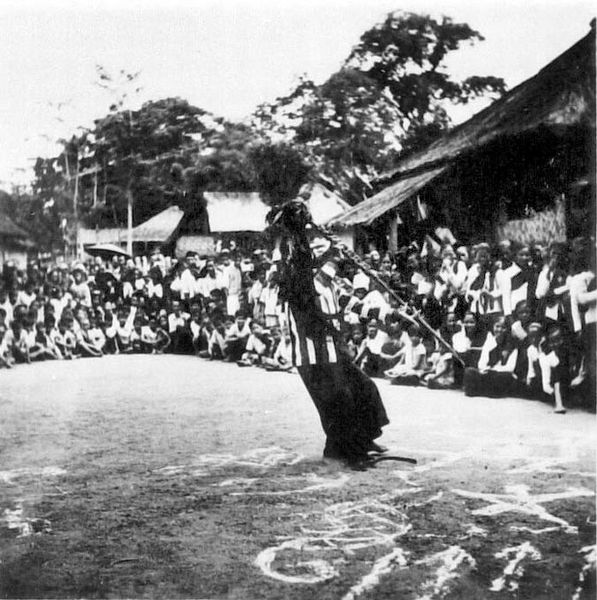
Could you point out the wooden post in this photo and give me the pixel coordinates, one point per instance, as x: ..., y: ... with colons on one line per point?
x: 95, y: 186
x: 76, y: 209
x: 393, y: 237
x: 129, y: 221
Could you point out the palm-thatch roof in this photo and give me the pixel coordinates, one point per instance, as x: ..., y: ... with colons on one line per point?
x: 559, y: 96
x: 160, y: 227
x: 372, y: 208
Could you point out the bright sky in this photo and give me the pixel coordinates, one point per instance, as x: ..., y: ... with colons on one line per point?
x: 227, y: 56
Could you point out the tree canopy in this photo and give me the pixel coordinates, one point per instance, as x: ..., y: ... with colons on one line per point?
x: 389, y: 97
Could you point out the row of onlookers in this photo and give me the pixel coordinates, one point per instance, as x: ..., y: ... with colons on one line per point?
x: 520, y: 319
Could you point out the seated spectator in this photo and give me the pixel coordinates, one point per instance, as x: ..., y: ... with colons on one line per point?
x: 179, y: 330
x: 124, y: 330
x: 369, y: 357
x: 237, y: 336
x: 163, y: 338
x: 257, y: 346
x: 555, y: 370
x: 355, y: 339
x: 64, y: 340
x: 97, y: 337
x: 217, y: 344
x: 494, y: 375
x: 412, y: 360
x: 443, y: 373
x: 390, y: 351
x: 43, y: 347
x: 532, y: 378
x: 136, y: 336
x: 282, y: 357
x: 468, y: 342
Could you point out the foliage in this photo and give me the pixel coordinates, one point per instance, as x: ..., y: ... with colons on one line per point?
x: 390, y: 96
x: 280, y: 171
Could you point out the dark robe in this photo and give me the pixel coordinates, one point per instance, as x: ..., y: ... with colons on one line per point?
x: 348, y: 402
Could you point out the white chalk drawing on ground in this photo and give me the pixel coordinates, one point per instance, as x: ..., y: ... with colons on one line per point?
x: 11, y: 476
x: 449, y: 564
x: 345, y: 528
x: 16, y: 519
x: 383, y: 566
x: 518, y: 499
x: 514, y: 570
x: 590, y: 559
x: 259, y: 459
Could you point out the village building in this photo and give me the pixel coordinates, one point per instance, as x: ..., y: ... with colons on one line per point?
x: 523, y: 168
x: 15, y: 243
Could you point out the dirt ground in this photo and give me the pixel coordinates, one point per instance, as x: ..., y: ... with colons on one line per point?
x: 172, y: 477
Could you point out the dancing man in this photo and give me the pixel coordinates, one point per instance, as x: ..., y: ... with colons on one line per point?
x: 348, y: 402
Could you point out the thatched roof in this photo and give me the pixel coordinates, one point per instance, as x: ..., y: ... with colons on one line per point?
x: 160, y: 227
x: 324, y: 204
x: 9, y: 229
x: 372, y: 208
x: 559, y: 96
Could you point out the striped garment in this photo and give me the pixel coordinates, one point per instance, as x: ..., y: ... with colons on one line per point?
x: 322, y: 347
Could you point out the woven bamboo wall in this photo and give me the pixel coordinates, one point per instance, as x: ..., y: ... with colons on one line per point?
x: 547, y: 226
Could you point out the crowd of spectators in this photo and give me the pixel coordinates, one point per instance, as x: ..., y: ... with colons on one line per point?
x: 520, y: 319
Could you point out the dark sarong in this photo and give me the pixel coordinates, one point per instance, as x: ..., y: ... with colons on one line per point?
x: 349, y: 406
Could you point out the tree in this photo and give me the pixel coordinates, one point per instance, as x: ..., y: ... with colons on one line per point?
x: 280, y: 171
x: 390, y: 96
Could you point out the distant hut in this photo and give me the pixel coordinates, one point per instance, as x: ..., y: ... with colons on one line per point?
x: 241, y: 216
x: 522, y: 168
x: 14, y: 242
x: 156, y: 231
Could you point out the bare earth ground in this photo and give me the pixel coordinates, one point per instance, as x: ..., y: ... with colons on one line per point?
x: 171, y: 477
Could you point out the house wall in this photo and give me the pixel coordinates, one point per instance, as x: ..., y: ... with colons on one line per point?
x: 19, y: 257
x: 202, y: 244
x: 546, y: 226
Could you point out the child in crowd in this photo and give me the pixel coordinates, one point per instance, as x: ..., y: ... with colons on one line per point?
x: 412, y: 360
x: 257, y: 346
x: 64, y: 340
x: 282, y: 357
x: 369, y: 356
x: 42, y: 348
x: 96, y: 336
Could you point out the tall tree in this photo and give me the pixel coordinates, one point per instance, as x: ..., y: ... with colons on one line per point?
x: 390, y: 96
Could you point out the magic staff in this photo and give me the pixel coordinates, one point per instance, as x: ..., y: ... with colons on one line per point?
x: 411, y: 312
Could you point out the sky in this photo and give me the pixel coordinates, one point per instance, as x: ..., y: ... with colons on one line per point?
x: 228, y: 56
